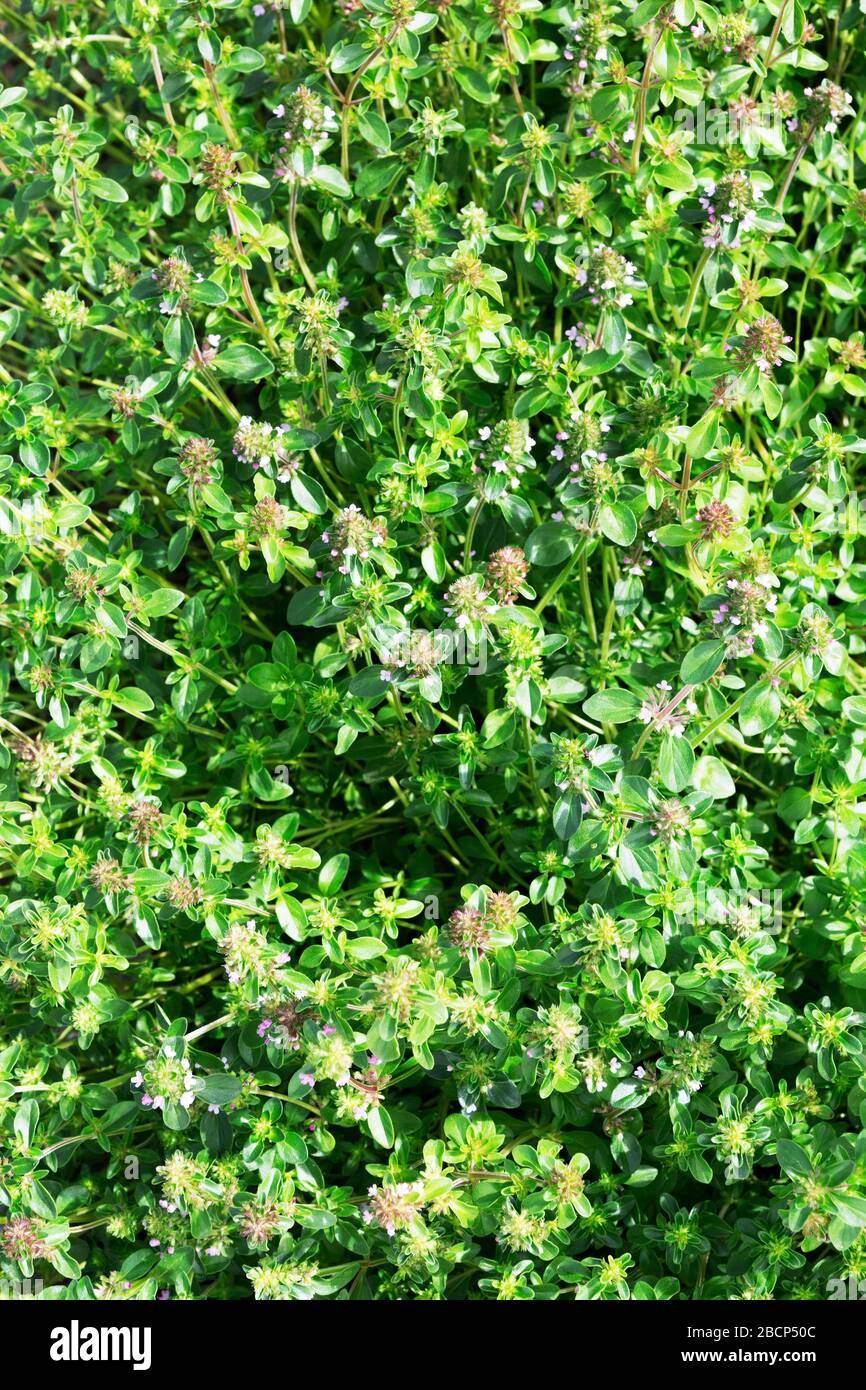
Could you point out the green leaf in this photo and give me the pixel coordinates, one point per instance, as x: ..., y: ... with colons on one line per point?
x: 309, y: 494
x: 434, y: 562
x: 567, y: 814
x: 854, y: 709
x: 107, y: 191
x: 699, y: 664
x: 711, y: 777
x: 793, y: 1159
x: 381, y: 1127
x: 613, y: 706
x: 701, y: 437
x: 617, y: 522
x: 163, y: 601
x: 851, y: 1209
x: 330, y: 180
x: 26, y: 1120
x: 218, y: 1088
x: 676, y: 762
x: 374, y: 129
x: 10, y: 96
x: 244, y: 362
x: 474, y: 83
x: 760, y: 710
x: 133, y: 701
x: 666, y: 59
x: 333, y: 873
x: 246, y: 60
x: 551, y: 543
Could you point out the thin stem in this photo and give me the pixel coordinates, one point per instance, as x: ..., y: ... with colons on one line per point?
x: 470, y: 532
x: 222, y: 114
x: 694, y: 287
x: 347, y: 98
x: 587, y: 597
x: 731, y: 709
x: 792, y: 169
x: 640, y: 113
x: 293, y: 238
x: 515, y: 90
x: 566, y: 571
x: 768, y: 56
x: 158, y: 79
x: 246, y: 287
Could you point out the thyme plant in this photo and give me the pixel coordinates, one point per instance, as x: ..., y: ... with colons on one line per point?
x: 433, y: 701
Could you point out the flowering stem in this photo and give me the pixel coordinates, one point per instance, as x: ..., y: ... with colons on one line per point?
x: 792, y: 168
x: 768, y: 56
x: 482, y: 839
x: 395, y: 419
x: 685, y: 484
x: 73, y: 193
x: 347, y: 99
x: 515, y: 91
x: 209, y: 394
x: 661, y: 716
x: 523, y: 197
x: 290, y: 1100
x: 731, y: 709
x: 158, y: 79
x: 470, y: 532
x: 323, y: 373
x: 214, y: 676
x: 246, y: 287
x: 640, y: 113
x: 207, y: 1028
x: 566, y: 571
x: 293, y: 238
x: 587, y: 597
x: 608, y: 629
x: 222, y: 114
x: 326, y: 478
x: 693, y: 288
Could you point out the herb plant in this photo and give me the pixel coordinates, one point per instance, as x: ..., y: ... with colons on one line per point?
x: 434, y: 697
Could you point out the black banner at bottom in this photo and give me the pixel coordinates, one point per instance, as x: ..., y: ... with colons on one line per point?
x: 266, y: 1338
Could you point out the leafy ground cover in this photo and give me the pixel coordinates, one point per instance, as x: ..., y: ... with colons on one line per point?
x: 433, y: 696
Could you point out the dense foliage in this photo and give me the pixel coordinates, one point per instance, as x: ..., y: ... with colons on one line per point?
x: 434, y: 702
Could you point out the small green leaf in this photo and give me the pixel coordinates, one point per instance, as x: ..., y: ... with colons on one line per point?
x: 617, y: 522
x: 244, y: 362
x: 699, y: 664
x: 711, y: 777
x: 613, y: 706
